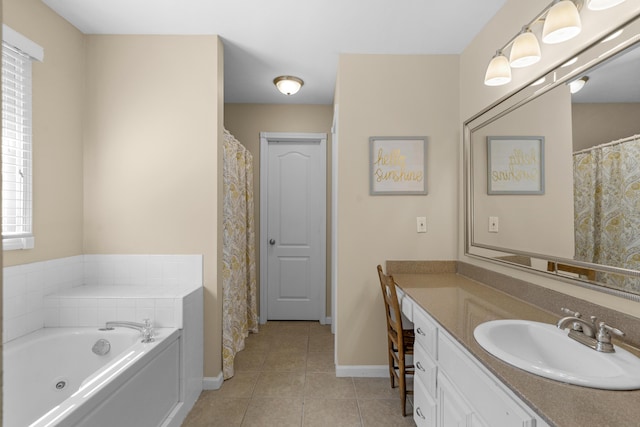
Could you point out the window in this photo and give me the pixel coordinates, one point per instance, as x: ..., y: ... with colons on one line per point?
x: 17, y: 213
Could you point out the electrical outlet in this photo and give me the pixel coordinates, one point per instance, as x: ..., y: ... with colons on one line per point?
x: 421, y: 223
x: 493, y: 224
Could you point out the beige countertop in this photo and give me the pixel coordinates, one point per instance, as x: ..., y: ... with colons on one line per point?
x: 460, y: 304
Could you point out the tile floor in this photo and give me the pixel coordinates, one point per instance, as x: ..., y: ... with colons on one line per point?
x: 285, y: 376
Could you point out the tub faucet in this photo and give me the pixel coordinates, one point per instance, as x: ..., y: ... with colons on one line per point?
x: 145, y: 328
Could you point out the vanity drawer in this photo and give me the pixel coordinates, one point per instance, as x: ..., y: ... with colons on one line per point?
x: 407, y: 308
x: 489, y: 400
x: 406, y: 304
x: 426, y: 333
x: 425, y: 408
x: 425, y: 368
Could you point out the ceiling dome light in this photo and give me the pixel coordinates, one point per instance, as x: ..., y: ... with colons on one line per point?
x: 561, y: 23
x: 603, y: 4
x: 576, y: 85
x: 525, y: 50
x: 288, y: 85
x: 498, y: 71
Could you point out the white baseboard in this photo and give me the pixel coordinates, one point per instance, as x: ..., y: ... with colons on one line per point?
x: 371, y: 371
x: 212, y: 383
x: 327, y: 321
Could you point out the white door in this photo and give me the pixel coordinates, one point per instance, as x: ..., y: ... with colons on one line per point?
x: 294, y: 239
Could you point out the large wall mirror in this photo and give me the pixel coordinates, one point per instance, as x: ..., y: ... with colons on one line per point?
x: 552, y: 176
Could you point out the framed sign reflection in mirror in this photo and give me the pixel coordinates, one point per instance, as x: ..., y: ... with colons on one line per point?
x: 516, y: 165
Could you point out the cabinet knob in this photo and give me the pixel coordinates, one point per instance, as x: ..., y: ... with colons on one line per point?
x: 419, y: 366
x: 419, y: 413
x: 421, y: 332
x: 272, y: 242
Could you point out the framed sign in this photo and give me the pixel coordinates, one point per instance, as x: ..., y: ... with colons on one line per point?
x: 398, y: 165
x: 515, y: 165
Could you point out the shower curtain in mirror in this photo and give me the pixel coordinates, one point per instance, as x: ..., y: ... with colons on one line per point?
x: 239, y: 306
x: 607, y: 208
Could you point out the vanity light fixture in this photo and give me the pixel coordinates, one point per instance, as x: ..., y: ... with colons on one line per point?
x: 561, y: 23
x: 288, y: 85
x: 576, y: 85
x: 498, y: 72
x: 525, y: 50
x: 603, y: 4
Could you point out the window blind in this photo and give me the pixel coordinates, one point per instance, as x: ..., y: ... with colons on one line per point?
x: 16, y: 145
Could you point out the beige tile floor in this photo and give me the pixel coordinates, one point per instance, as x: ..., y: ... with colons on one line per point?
x: 285, y: 376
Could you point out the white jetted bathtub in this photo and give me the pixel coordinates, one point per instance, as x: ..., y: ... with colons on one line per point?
x: 91, y: 377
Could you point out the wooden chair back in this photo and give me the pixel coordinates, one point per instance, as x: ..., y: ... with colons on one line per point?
x: 392, y: 307
x: 400, y: 341
x: 582, y: 271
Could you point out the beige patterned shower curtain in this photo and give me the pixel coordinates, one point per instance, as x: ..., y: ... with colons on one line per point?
x: 239, y: 306
x: 607, y: 208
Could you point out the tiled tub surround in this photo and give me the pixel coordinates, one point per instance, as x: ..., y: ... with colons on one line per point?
x: 94, y: 305
x: 88, y: 290
x: 162, y: 278
x: 24, y: 288
x: 459, y: 304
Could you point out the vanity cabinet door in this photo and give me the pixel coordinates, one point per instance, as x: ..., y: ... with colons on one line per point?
x: 453, y: 410
x: 489, y: 399
x: 424, y: 413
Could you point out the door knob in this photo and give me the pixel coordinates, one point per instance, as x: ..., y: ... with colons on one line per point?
x: 272, y: 242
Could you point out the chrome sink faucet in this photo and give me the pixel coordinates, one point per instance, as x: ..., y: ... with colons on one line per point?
x: 145, y: 328
x: 577, y: 323
x: 594, y: 334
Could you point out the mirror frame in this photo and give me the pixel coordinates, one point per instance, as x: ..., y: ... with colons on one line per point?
x: 589, y: 57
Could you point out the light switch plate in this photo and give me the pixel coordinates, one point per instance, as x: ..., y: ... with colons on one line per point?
x: 421, y: 224
x: 493, y: 224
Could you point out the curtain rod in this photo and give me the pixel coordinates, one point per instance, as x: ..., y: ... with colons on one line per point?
x: 607, y: 144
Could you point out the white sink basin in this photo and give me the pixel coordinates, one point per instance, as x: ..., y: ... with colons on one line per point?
x: 543, y: 349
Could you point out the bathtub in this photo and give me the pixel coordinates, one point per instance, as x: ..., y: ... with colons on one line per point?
x: 52, y: 377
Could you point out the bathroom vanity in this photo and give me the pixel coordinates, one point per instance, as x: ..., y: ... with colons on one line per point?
x: 458, y: 383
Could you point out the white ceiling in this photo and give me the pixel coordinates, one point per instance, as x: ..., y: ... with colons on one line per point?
x: 264, y: 39
x: 615, y: 80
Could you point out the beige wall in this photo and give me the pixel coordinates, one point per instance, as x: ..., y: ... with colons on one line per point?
x: 151, y: 154
x: 595, y: 124
x: 58, y: 87
x: 246, y: 121
x: 390, y: 95
x: 475, y: 96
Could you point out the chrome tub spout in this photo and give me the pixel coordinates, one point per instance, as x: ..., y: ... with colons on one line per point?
x: 145, y: 328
